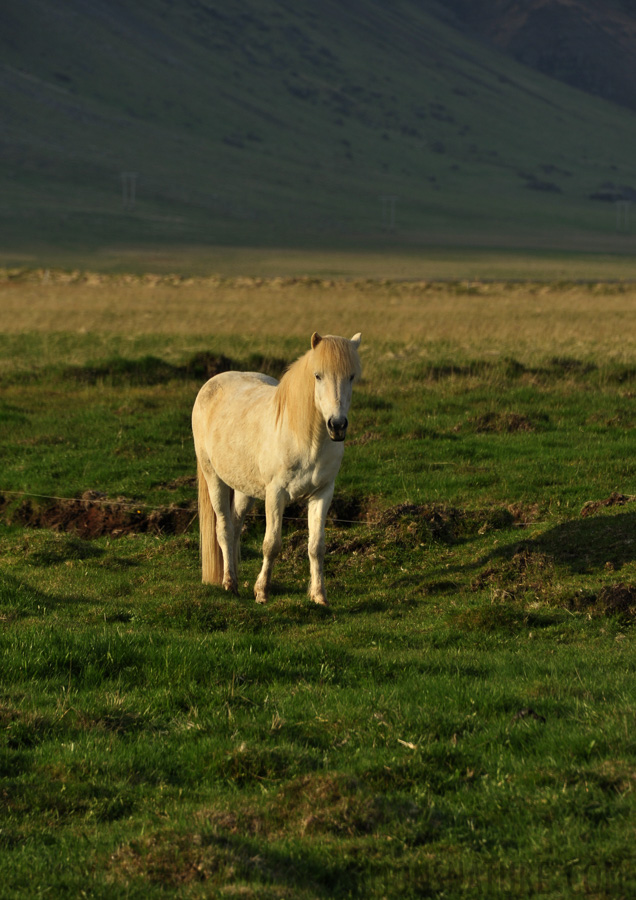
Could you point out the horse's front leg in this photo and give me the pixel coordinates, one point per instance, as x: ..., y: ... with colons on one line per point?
x: 275, y: 499
x: 317, y: 516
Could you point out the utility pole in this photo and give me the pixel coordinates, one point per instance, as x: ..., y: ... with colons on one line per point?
x: 388, y: 202
x: 622, y: 214
x: 129, y: 189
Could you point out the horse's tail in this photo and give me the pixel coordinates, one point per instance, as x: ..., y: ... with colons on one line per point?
x: 211, y: 556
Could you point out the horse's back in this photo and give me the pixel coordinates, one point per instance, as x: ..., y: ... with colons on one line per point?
x: 233, y: 388
x: 232, y: 419
x: 236, y: 380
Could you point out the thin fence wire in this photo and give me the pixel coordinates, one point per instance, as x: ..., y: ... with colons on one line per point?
x: 128, y: 504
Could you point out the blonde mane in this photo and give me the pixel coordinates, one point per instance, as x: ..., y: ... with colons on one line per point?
x: 295, y: 393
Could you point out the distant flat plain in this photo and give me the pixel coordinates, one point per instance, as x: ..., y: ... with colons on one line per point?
x: 525, y: 318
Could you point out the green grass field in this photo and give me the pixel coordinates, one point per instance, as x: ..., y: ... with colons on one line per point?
x: 459, y: 723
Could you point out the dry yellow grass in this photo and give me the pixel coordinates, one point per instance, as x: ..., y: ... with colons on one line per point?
x: 524, y: 320
x: 601, y: 257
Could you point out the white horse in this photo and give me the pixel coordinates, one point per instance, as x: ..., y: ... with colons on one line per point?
x: 258, y: 438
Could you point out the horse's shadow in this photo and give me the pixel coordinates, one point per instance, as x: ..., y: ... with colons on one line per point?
x: 583, y: 546
x: 21, y: 598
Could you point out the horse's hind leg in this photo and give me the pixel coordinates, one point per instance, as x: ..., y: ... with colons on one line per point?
x: 221, y: 498
x: 241, y: 506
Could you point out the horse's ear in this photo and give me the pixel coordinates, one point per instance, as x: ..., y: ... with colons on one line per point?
x: 356, y: 339
x: 315, y: 340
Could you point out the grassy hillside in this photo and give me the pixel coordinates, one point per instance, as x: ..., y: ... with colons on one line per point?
x: 274, y: 124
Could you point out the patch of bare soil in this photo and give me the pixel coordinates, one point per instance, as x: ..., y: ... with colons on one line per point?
x: 183, y: 481
x: 406, y: 525
x: 409, y: 526
x: 502, y: 423
x: 527, y: 570
x: 93, y: 515
x: 614, y: 499
x: 365, y: 438
x: 612, y: 600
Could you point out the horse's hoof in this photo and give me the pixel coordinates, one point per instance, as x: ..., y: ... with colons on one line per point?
x: 260, y: 591
x: 230, y: 585
x: 320, y: 600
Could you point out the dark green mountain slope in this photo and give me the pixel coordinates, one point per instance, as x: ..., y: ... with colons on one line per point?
x: 280, y: 122
x: 589, y: 45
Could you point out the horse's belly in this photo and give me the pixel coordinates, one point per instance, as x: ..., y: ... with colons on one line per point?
x: 235, y: 458
x: 243, y: 478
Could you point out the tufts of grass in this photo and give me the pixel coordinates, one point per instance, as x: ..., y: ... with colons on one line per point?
x: 459, y: 720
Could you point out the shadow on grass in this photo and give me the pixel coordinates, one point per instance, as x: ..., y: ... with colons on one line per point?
x: 60, y: 549
x: 228, y: 858
x: 212, y: 609
x: 150, y: 370
x: 18, y: 598
x: 295, y: 870
x: 583, y: 546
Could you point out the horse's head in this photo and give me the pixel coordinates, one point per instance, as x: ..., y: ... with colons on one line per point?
x: 336, y: 365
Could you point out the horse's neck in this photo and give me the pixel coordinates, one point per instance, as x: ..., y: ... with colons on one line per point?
x: 301, y: 417
x: 317, y: 433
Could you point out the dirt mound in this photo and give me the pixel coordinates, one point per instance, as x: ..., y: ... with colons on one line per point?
x: 406, y: 525
x: 612, y: 600
x: 410, y: 524
x: 614, y: 499
x: 177, y: 483
x: 93, y: 515
x: 526, y: 571
x: 503, y: 423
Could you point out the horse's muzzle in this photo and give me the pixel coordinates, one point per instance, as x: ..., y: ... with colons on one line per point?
x: 337, y: 428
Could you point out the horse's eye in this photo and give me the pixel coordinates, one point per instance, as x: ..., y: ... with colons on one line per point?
x: 317, y: 377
